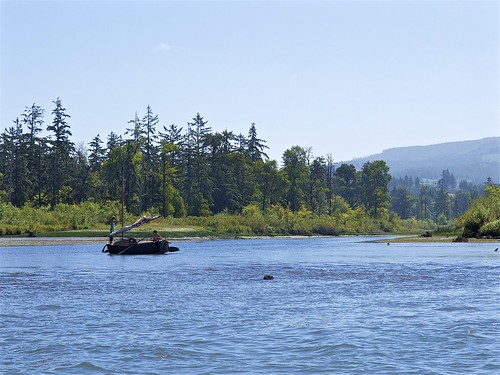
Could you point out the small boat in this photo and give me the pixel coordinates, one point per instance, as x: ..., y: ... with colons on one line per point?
x: 132, y: 246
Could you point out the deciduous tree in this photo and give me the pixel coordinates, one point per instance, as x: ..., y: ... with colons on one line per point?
x: 373, y: 186
x: 346, y: 183
x: 296, y: 170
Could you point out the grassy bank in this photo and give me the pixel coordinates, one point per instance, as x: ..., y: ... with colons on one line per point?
x: 141, y: 232
x: 91, y: 220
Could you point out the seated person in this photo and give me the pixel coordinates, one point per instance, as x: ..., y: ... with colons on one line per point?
x: 156, y: 236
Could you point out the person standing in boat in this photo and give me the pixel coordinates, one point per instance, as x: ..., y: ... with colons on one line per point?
x: 156, y: 236
x: 112, y: 228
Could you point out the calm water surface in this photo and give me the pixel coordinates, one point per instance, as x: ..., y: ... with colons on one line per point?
x: 336, y: 305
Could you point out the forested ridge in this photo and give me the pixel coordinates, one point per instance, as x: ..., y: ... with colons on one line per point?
x: 194, y: 171
x: 473, y: 160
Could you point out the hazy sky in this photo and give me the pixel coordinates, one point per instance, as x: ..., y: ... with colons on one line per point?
x: 346, y: 78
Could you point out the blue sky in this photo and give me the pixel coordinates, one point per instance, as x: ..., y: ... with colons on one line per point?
x: 346, y: 78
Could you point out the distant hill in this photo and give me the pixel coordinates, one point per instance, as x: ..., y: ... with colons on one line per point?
x: 473, y: 161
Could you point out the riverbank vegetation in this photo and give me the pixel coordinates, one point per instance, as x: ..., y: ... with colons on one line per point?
x: 207, y: 182
x: 482, y: 218
x: 90, y: 220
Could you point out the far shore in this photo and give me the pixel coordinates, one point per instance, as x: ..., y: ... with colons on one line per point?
x: 47, y: 241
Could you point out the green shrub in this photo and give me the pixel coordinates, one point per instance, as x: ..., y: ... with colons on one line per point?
x: 325, y: 226
x: 490, y: 229
x: 472, y: 221
x: 482, y: 211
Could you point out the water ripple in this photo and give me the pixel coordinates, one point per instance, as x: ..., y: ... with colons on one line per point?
x: 334, y: 306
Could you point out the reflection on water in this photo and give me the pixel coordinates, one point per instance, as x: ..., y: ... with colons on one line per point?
x: 335, y: 305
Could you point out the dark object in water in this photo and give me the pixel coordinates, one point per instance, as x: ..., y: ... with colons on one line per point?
x: 268, y: 277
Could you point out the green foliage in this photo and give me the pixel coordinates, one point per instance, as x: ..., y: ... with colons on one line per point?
x: 296, y: 169
x: 490, y: 229
x: 91, y: 219
x: 473, y: 220
x: 414, y: 226
x: 14, y: 220
x: 326, y: 226
x: 482, y: 215
x: 441, y: 219
x: 255, y: 220
x: 402, y: 202
x: 346, y: 183
x: 374, y: 194
x: 223, y: 177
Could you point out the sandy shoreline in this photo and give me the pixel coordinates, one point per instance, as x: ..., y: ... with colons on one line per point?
x: 43, y: 241
x: 48, y: 241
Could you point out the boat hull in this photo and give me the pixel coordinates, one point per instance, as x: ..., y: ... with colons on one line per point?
x: 139, y: 248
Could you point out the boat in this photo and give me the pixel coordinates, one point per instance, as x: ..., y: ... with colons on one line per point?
x: 132, y: 246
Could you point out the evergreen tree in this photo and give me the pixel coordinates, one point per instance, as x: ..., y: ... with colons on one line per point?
x: 33, y: 120
x: 441, y: 201
x: 36, y: 147
x: 220, y: 172
x: 137, y: 131
x: 135, y: 145
x: 242, y: 182
x: 449, y: 182
x: 97, y: 153
x: 13, y: 150
x: 241, y: 144
x: 330, y: 175
x: 425, y: 199
x: 402, y: 201
x: 113, y: 141
x: 173, y: 136
x: 61, y: 151
x: 318, y: 183
x: 255, y: 146
x: 197, y: 181
x: 82, y: 189
x: 150, y: 160
x: 132, y: 163
x: 461, y: 202
x: 172, y: 203
x: 173, y: 143
x: 227, y: 140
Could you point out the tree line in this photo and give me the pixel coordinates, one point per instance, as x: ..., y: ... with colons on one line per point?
x: 439, y: 202
x: 195, y: 171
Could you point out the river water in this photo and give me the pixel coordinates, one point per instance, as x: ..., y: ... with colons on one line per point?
x: 335, y: 305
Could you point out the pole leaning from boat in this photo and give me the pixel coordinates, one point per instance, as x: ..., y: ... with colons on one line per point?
x: 135, y: 243
x: 138, y: 223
